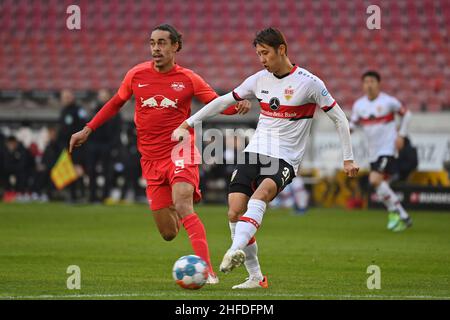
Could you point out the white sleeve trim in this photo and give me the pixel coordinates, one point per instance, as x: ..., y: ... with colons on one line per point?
x: 211, y: 109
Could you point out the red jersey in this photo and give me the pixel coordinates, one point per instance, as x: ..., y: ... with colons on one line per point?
x: 163, y: 102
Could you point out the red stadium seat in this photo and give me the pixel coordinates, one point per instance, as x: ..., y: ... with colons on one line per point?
x: 411, y: 50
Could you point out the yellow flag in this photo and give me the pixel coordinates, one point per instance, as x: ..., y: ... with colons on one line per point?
x: 63, y: 172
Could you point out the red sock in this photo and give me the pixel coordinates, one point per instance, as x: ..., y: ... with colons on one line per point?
x: 197, y: 234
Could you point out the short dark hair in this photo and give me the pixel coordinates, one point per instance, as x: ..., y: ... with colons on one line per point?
x: 11, y: 139
x: 371, y: 73
x: 175, y: 36
x: 271, y: 37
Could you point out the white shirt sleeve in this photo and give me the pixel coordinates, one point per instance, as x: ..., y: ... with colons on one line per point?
x: 397, y: 107
x: 247, y: 89
x: 354, y: 119
x: 319, y: 94
x: 340, y: 121
x: 395, y: 104
x: 211, y: 109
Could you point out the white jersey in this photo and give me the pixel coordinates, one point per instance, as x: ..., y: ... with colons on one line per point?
x: 287, y: 109
x: 377, y: 118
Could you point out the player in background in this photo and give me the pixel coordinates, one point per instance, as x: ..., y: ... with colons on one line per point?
x: 375, y: 113
x: 288, y: 98
x: 294, y: 196
x: 163, y: 92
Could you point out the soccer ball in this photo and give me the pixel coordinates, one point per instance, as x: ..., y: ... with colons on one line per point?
x: 190, y: 272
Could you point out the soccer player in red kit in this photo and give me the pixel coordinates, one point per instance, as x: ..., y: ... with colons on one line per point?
x: 163, y: 91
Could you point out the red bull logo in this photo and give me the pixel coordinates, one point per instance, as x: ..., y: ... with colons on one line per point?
x: 177, y: 86
x: 159, y: 102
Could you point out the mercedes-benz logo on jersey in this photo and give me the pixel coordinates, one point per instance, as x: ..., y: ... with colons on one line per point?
x: 274, y: 103
x: 159, y: 102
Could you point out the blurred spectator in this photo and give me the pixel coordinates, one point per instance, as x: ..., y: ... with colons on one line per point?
x: 407, y: 160
x: 447, y: 167
x: 25, y: 134
x: 102, y: 147
x: 72, y: 119
x: 43, y: 187
x: 130, y: 157
x: 126, y: 171
x: 2, y: 156
x: 294, y: 196
x: 14, y: 169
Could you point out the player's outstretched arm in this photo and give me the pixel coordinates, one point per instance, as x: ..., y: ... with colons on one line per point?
x: 210, y: 110
x: 206, y: 94
x: 241, y: 107
x: 213, y: 108
x: 109, y: 110
x: 340, y: 120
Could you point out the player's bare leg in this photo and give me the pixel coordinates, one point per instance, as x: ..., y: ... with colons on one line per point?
x: 398, y: 219
x: 248, y: 224
x: 168, y: 222
x: 182, y: 197
x: 237, y: 204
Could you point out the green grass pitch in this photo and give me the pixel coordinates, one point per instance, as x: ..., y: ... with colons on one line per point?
x: 323, y: 255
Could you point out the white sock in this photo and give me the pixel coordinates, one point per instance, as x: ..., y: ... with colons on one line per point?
x: 245, y: 230
x: 390, y: 199
x: 251, y: 253
x: 232, y: 229
x: 252, y: 262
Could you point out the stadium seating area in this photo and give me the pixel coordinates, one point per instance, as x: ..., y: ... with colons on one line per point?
x: 411, y: 50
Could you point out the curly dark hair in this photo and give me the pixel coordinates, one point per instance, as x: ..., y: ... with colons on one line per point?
x: 175, y: 36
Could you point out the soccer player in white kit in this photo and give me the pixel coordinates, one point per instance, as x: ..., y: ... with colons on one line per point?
x: 288, y: 97
x: 375, y: 113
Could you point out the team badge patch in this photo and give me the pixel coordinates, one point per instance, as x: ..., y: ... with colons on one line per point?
x: 379, y: 109
x: 177, y: 86
x: 288, y: 93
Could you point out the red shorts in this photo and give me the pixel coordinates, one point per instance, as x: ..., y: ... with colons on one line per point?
x: 161, y: 174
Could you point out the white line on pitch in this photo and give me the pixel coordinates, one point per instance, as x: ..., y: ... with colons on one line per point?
x: 247, y: 294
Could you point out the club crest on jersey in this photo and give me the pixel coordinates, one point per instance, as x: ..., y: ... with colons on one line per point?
x: 274, y: 103
x: 159, y: 102
x: 288, y: 93
x: 379, y: 109
x: 177, y: 86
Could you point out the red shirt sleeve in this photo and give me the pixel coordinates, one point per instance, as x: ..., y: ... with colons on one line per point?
x: 109, y: 110
x: 205, y: 93
x: 112, y: 107
x: 125, y: 90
